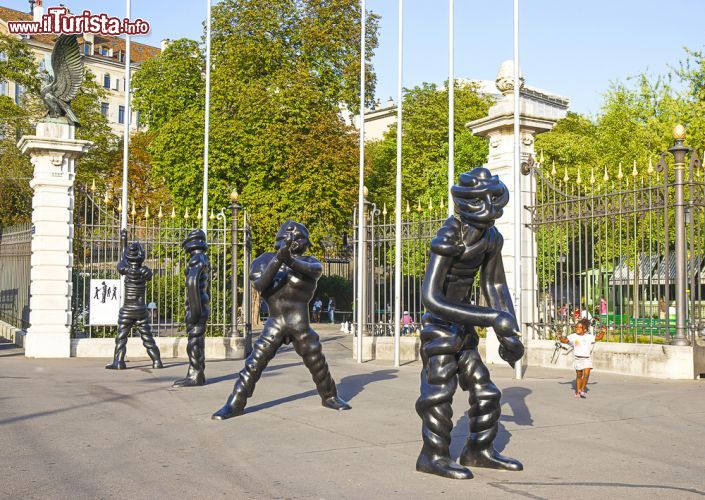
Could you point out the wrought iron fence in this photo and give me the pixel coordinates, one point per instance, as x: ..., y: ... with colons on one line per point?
x: 419, y: 226
x: 607, y: 249
x: 15, y: 256
x: 97, y: 252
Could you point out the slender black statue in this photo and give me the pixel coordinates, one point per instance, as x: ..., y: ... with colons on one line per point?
x: 198, y: 273
x: 464, y: 246
x: 287, y: 281
x: 134, y: 310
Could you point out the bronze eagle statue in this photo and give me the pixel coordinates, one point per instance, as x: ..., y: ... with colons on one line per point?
x: 64, y: 79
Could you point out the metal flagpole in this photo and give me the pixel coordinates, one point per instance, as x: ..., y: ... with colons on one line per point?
x: 361, y: 188
x: 128, y: 116
x: 207, y: 118
x: 125, y: 149
x: 517, y: 186
x: 451, y: 104
x: 397, y: 199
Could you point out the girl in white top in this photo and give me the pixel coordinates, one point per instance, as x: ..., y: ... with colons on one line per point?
x: 582, y: 343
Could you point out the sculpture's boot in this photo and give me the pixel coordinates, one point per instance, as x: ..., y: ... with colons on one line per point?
x: 308, y: 346
x: 149, y: 343
x: 483, y: 415
x: 263, y: 351
x: 439, y: 345
x: 197, y: 362
x: 124, y: 327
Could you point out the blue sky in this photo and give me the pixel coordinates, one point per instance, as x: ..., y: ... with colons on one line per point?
x: 568, y: 47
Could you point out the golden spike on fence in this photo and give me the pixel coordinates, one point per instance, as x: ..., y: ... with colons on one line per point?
x: 186, y: 215
x: 146, y: 213
x: 106, y: 198
x: 620, y: 175
x: 419, y: 209
x: 407, y: 207
x: 199, y: 216
x: 565, y: 174
x: 541, y: 158
x: 634, y: 171
x: 384, y: 209
x: 120, y: 206
x: 606, y: 177
x: 430, y: 205
x: 211, y: 216
x: 553, y: 169
x: 93, y: 186
x: 160, y: 214
x: 133, y: 213
x: 442, y: 204
x: 650, y: 170
x: 173, y: 213
x: 578, y: 180
x: 592, y: 176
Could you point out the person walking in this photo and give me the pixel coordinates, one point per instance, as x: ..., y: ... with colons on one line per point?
x: 317, y: 306
x: 407, y: 323
x: 582, y: 343
x: 331, y: 310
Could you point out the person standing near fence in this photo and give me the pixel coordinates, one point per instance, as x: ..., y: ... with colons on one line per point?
x: 582, y: 342
x: 331, y: 309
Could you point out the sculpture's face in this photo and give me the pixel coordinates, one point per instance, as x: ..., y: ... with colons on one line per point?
x: 135, y: 254
x: 297, y: 233
x: 479, y: 197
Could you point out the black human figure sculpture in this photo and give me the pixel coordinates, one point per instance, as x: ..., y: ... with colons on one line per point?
x: 465, y: 245
x: 198, y: 273
x: 287, y: 281
x: 134, y: 310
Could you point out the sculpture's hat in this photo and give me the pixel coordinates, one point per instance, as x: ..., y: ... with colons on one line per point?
x: 196, y: 240
x: 134, y: 253
x: 479, y: 197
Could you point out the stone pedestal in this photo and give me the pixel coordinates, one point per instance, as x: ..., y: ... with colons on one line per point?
x: 539, y: 112
x: 53, y: 151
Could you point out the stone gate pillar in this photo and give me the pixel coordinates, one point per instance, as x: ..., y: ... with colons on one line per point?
x: 53, y: 151
x: 539, y: 112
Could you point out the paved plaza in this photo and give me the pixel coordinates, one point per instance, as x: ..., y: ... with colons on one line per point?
x: 71, y: 429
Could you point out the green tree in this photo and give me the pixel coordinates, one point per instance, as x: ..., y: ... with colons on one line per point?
x: 425, y: 145
x: 281, y: 73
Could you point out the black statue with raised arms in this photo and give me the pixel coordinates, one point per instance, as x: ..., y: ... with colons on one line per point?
x: 287, y: 280
x: 465, y: 245
x: 64, y: 78
x: 198, y: 274
x: 134, y: 309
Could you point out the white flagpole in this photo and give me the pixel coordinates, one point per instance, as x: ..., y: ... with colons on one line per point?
x: 360, y: 194
x: 207, y: 118
x: 397, y: 199
x: 451, y: 104
x: 517, y: 186
x: 128, y: 115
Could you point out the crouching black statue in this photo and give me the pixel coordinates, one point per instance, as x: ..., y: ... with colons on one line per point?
x: 197, y: 273
x: 134, y: 310
x: 465, y: 245
x: 287, y: 281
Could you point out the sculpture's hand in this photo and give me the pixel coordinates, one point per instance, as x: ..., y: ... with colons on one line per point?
x: 511, y: 349
x: 284, y: 253
x: 505, y: 325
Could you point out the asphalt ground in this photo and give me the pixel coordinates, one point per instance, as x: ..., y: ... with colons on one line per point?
x: 71, y: 429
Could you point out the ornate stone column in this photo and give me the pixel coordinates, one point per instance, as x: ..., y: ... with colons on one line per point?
x: 53, y: 151
x: 539, y: 112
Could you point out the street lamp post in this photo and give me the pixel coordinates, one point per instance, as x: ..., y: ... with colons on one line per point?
x: 679, y: 150
x: 234, y: 208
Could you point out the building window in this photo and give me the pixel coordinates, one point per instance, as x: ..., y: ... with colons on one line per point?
x: 3, y: 87
x: 121, y: 56
x: 104, y: 108
x: 87, y: 49
x: 106, y: 81
x: 18, y: 93
x: 3, y: 56
x: 104, y: 51
x: 138, y: 119
x: 121, y: 114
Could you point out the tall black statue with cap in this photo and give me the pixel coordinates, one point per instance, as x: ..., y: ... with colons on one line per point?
x: 134, y: 310
x: 466, y: 244
x: 287, y: 280
x: 197, y: 273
